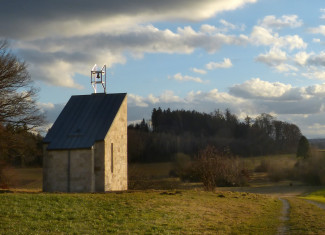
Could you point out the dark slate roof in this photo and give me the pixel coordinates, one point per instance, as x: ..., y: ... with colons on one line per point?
x: 84, y: 120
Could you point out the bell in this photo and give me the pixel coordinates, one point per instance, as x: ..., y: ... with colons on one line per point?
x: 98, y: 76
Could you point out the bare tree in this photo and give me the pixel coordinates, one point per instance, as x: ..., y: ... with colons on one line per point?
x: 17, y: 95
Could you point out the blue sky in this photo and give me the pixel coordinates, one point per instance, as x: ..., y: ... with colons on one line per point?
x: 251, y: 56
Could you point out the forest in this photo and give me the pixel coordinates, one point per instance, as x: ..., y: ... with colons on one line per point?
x: 180, y: 131
x: 19, y: 146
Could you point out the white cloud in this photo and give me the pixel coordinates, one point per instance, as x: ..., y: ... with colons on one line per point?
x: 301, y: 58
x: 318, y: 89
x: 224, y: 27
x: 58, y: 73
x: 200, y: 71
x: 315, y: 74
x: 226, y: 63
x: 209, y: 29
x: 290, y: 21
x: 45, y: 106
x: 136, y: 100
x: 51, y: 112
x: 152, y: 99
x: 169, y: 97
x: 316, y: 40
x: 256, y: 88
x: 180, y: 77
x: 318, y: 30
x: 220, y: 97
x: 285, y: 68
x: 227, y: 24
x: 317, y: 60
x: 57, y: 65
x: 274, y: 57
x: 264, y: 36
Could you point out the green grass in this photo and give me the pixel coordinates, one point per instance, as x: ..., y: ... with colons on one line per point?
x: 305, y: 218
x: 148, y: 212
x: 317, y: 196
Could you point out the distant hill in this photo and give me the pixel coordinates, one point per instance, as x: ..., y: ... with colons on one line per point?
x: 319, y: 143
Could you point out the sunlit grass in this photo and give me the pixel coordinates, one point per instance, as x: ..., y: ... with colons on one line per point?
x: 145, y: 212
x: 305, y: 218
x: 317, y: 196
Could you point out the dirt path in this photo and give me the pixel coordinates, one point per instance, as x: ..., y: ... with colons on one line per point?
x: 283, y: 228
x: 319, y: 204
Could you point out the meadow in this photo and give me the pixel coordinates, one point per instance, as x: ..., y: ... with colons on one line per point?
x: 148, y: 212
x: 162, y: 209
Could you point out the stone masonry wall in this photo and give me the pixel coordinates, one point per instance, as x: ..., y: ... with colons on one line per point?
x: 116, y: 171
x: 59, y: 177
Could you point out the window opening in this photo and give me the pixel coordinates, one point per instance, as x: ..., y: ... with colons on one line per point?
x: 112, y: 164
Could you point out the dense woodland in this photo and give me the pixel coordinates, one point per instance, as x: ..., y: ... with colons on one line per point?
x: 19, y: 146
x: 180, y: 131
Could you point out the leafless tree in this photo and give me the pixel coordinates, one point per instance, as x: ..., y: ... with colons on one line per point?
x: 17, y: 94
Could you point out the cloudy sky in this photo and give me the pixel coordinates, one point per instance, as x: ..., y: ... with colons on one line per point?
x: 251, y: 56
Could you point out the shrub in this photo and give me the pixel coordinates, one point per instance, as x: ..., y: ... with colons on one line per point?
x: 184, y: 168
x: 311, y: 170
x: 215, y: 169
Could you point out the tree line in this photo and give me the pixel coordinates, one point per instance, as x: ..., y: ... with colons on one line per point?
x: 19, y: 146
x: 182, y: 131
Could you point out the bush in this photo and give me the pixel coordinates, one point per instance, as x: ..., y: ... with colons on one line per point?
x: 215, y: 169
x: 184, y: 168
x: 312, y: 169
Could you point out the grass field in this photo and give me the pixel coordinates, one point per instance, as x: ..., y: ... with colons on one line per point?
x: 148, y: 212
x: 24, y: 209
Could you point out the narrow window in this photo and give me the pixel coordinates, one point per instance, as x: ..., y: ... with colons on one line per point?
x: 112, y: 164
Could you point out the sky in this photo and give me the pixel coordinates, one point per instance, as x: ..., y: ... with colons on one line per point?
x: 250, y: 56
